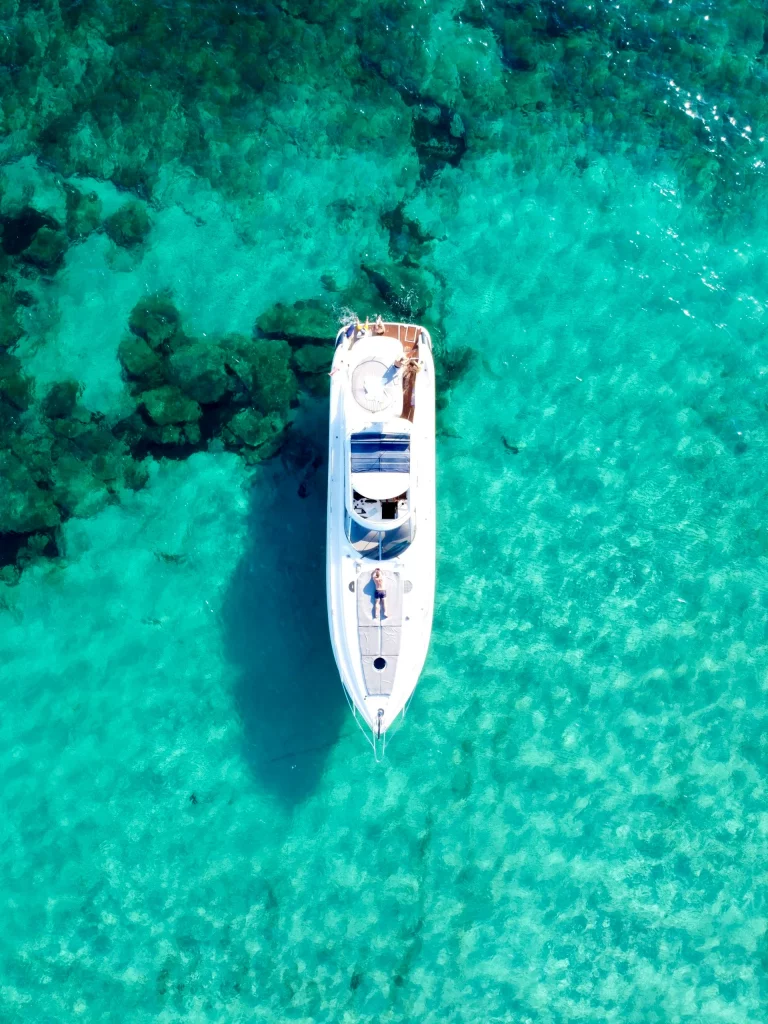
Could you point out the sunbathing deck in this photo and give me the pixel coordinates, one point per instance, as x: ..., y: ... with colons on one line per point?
x: 408, y: 336
x: 373, y: 401
x: 379, y: 640
x: 377, y: 387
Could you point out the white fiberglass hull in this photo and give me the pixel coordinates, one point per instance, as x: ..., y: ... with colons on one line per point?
x: 380, y: 659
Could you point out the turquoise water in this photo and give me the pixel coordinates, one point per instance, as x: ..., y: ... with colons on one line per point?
x: 571, y: 823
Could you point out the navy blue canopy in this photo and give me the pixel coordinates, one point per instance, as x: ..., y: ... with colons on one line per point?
x: 381, y: 453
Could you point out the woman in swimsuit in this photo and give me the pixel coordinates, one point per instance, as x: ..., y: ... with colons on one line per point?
x: 409, y: 367
x: 380, y: 594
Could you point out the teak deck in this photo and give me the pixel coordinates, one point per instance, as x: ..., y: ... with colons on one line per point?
x: 408, y: 336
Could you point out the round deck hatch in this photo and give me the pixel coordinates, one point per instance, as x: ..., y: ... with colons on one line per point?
x: 380, y: 664
x: 376, y: 386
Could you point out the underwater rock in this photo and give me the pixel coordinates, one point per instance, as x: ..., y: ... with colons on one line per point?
x: 83, y: 212
x: 519, y: 51
x: 58, y: 459
x: 135, y: 473
x: 137, y: 431
x: 46, y: 250
x: 33, y: 448
x: 451, y: 366
x: 81, y: 461
x: 141, y: 363
x: 87, y: 429
x: 36, y: 546
x: 176, y: 436
x: 273, y: 383
x: 312, y: 363
x: 19, y: 550
x: 407, y: 239
x: 313, y: 359
x: 156, y: 320
x: 25, y: 506
x: 264, y: 367
x: 15, y: 388
x: 10, y: 329
x: 402, y: 288
x: 168, y: 405
x: 193, y: 435
x: 455, y: 363
x: 19, y: 231
x: 302, y: 323
x: 9, y: 574
x: 256, y: 437
x: 62, y: 460
x: 200, y: 371
x: 438, y: 137
x: 76, y: 490
x: 129, y: 225
x: 143, y: 437
x: 61, y: 399
x: 191, y: 392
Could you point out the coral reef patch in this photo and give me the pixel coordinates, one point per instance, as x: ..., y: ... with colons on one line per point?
x: 188, y: 393
x: 516, y: 77
x: 58, y: 459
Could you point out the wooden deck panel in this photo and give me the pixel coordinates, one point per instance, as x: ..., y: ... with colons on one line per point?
x: 408, y: 336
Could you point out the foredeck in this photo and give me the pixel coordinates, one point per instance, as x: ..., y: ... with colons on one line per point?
x: 379, y: 639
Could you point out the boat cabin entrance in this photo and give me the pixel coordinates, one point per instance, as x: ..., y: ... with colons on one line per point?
x: 384, y: 510
x: 378, y: 514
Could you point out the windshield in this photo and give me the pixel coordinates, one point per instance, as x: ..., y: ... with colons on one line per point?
x: 379, y: 544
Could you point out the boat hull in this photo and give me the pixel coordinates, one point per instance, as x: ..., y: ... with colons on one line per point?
x: 380, y: 660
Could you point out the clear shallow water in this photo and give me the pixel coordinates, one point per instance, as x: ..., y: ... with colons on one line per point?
x: 571, y: 825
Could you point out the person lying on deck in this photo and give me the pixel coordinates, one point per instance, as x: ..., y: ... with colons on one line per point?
x: 380, y: 594
x: 410, y: 367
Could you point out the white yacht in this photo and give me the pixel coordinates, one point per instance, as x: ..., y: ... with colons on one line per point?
x: 381, y: 515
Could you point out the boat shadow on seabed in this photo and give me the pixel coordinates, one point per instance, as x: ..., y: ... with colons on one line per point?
x: 288, y: 691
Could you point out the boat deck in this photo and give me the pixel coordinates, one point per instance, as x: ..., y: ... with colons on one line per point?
x: 408, y: 336
x: 379, y: 639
